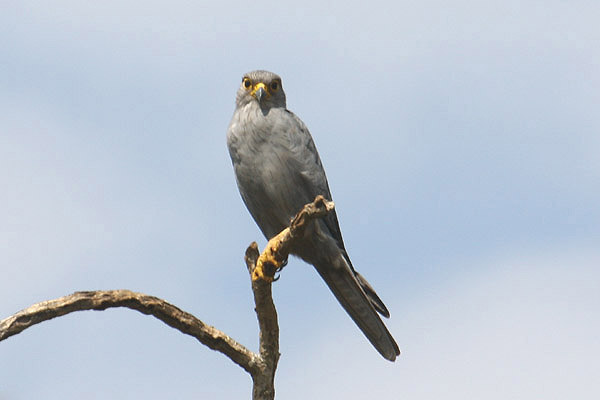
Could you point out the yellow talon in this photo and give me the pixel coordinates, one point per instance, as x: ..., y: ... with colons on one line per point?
x: 260, y: 273
x: 268, y: 264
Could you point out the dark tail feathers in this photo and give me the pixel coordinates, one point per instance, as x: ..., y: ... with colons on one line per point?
x: 372, y: 296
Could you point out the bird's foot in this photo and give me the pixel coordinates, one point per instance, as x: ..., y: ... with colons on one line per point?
x: 271, y: 261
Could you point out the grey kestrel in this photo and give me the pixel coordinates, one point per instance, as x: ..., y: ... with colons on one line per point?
x: 278, y: 171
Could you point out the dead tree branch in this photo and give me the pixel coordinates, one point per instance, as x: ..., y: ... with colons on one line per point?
x: 261, y: 366
x: 149, y: 305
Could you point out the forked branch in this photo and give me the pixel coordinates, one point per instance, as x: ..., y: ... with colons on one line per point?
x: 260, y: 366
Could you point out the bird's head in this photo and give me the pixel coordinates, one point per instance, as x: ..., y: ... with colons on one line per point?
x: 263, y: 87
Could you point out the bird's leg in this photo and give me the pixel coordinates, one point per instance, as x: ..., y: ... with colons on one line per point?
x: 275, y: 255
x: 272, y: 259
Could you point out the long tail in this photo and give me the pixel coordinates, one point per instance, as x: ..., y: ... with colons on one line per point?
x: 360, y: 301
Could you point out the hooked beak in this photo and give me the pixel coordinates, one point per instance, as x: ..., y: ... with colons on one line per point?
x: 259, y: 91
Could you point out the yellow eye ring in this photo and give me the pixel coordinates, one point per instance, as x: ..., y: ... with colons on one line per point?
x: 247, y: 83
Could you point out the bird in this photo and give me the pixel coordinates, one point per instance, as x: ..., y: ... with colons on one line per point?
x: 278, y: 170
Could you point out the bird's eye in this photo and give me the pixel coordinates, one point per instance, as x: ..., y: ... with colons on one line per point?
x: 274, y: 86
x: 247, y: 83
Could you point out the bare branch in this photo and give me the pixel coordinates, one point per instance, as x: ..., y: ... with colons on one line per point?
x: 149, y: 305
x: 262, y: 269
x: 264, y: 382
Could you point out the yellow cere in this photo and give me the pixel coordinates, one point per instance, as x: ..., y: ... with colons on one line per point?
x: 258, y: 86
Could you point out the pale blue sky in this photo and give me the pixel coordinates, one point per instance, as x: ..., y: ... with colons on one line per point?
x: 461, y: 142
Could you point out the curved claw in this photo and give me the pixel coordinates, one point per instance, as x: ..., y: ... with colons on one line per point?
x: 283, y: 264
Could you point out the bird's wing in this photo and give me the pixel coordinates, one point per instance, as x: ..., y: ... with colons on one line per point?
x: 351, y: 289
x: 312, y: 180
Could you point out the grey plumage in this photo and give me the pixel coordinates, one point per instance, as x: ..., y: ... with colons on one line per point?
x: 278, y: 170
